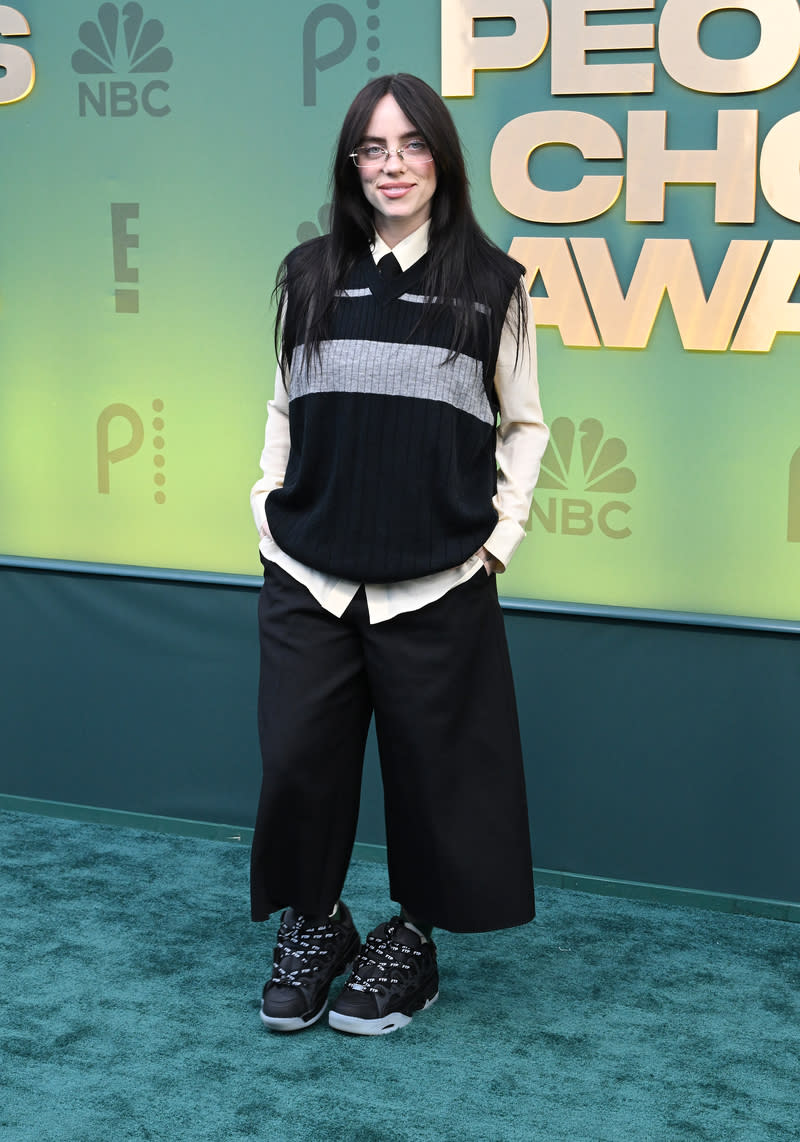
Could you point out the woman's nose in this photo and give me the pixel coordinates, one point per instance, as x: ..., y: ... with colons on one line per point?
x: 394, y: 161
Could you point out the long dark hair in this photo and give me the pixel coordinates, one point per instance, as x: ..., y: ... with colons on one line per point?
x: 465, y: 269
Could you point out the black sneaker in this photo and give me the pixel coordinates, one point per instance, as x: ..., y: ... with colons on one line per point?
x: 394, y: 976
x: 307, y: 959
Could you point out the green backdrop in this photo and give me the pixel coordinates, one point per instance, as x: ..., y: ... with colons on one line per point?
x: 166, y: 158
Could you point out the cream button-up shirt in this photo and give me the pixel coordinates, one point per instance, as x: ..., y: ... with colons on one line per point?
x: 521, y: 440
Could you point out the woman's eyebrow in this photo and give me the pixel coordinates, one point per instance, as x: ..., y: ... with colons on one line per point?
x: 382, y: 138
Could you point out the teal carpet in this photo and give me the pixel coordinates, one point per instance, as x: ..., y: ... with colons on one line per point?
x: 130, y: 977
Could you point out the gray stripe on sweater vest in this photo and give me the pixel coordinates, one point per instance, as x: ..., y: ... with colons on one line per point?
x: 386, y: 368
x: 420, y: 299
x: 414, y: 298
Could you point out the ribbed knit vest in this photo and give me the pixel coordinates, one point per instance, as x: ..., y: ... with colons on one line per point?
x: 392, y: 466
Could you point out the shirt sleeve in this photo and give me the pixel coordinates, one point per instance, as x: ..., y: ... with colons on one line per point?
x: 521, y: 437
x: 275, y: 454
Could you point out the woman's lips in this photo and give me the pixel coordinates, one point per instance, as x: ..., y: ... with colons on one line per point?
x: 395, y: 189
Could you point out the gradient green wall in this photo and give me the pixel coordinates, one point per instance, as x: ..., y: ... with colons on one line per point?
x: 145, y: 208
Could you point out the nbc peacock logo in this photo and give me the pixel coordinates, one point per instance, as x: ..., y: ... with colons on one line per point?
x: 122, y: 42
x: 581, y: 458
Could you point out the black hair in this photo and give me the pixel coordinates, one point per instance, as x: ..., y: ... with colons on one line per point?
x: 460, y: 253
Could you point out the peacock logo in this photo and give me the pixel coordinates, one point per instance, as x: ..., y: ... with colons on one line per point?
x: 308, y: 230
x: 330, y: 35
x: 122, y: 42
x: 120, y: 435
x: 140, y: 43
x: 582, y: 459
x: 601, y: 467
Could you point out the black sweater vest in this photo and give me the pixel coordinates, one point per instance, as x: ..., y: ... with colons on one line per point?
x: 392, y: 467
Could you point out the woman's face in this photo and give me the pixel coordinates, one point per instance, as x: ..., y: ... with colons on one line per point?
x: 399, y: 190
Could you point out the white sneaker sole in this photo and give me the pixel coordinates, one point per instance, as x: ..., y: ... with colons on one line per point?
x: 383, y: 1026
x: 295, y: 1023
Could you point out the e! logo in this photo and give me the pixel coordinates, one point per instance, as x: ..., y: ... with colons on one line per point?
x: 124, y: 440
x: 122, y: 240
x: 20, y: 71
x: 793, y: 529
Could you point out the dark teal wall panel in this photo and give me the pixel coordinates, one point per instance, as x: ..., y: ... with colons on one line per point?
x: 130, y: 694
x: 660, y: 753
x: 135, y: 694
x: 654, y: 753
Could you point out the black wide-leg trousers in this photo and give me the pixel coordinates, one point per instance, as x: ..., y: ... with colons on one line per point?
x: 439, y: 682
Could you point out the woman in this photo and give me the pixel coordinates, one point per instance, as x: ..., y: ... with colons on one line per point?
x: 390, y: 498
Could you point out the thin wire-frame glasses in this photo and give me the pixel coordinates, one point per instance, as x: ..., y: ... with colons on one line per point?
x: 416, y: 151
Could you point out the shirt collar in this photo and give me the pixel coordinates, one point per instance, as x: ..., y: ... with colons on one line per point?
x: 407, y: 252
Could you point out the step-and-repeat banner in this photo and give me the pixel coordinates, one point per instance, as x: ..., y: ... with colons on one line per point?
x: 640, y: 157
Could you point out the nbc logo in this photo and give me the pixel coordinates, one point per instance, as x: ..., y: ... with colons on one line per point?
x: 586, y: 460
x: 122, y: 42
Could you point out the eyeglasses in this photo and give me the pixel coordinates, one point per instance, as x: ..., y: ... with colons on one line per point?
x: 415, y: 151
